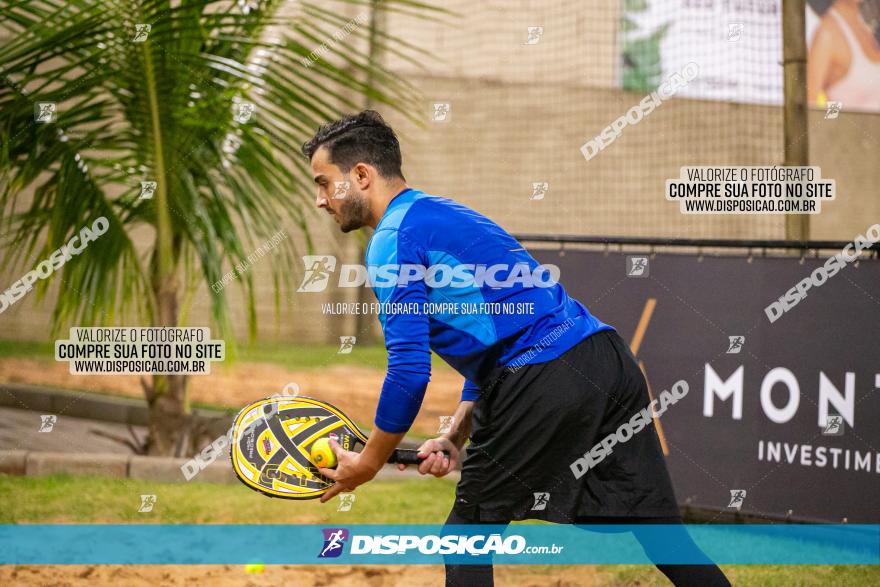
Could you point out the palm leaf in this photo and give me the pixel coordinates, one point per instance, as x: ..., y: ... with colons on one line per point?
x: 161, y: 110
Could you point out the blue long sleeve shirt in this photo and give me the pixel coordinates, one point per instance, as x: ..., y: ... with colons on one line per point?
x: 450, y: 280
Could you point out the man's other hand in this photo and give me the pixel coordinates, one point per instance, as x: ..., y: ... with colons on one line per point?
x: 435, y: 462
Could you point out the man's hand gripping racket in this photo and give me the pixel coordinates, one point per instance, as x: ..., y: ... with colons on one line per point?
x: 288, y: 447
x: 438, y: 457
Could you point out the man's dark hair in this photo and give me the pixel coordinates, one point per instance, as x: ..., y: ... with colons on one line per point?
x: 364, y: 137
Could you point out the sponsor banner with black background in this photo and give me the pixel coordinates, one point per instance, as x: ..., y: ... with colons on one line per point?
x: 821, y: 350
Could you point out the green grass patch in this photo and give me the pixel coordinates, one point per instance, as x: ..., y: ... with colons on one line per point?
x: 27, y: 349
x: 312, y: 356
x: 67, y: 499
x: 292, y: 356
x: 301, y: 356
x: 288, y: 355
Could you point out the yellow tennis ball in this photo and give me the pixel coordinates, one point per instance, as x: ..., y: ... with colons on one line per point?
x: 254, y: 568
x: 322, y: 455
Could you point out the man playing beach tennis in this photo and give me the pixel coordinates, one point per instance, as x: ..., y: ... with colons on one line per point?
x: 543, y: 384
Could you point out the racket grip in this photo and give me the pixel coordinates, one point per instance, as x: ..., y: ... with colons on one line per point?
x: 408, y: 456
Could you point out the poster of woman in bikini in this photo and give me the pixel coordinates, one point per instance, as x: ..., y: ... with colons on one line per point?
x: 843, y: 64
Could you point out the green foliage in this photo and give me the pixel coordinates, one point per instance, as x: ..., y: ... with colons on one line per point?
x: 642, y: 64
x: 162, y: 110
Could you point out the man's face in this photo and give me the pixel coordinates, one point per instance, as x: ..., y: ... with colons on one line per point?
x: 338, y: 193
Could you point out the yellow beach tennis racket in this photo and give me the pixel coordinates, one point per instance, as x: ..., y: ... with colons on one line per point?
x: 272, y: 441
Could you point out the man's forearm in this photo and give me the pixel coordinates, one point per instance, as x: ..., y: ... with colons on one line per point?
x: 381, y: 444
x: 379, y: 447
x: 461, y: 426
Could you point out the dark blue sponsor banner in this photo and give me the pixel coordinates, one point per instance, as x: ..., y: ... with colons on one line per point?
x: 791, y: 544
x: 781, y: 358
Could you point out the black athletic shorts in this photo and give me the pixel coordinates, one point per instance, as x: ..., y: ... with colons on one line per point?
x: 530, y: 424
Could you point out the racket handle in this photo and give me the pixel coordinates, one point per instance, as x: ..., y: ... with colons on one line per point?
x: 408, y: 456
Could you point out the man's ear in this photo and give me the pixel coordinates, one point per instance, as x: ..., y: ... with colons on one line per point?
x: 364, y: 175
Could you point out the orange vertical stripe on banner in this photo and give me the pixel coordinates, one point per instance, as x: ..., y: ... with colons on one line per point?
x: 642, y: 327
x: 657, y: 424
